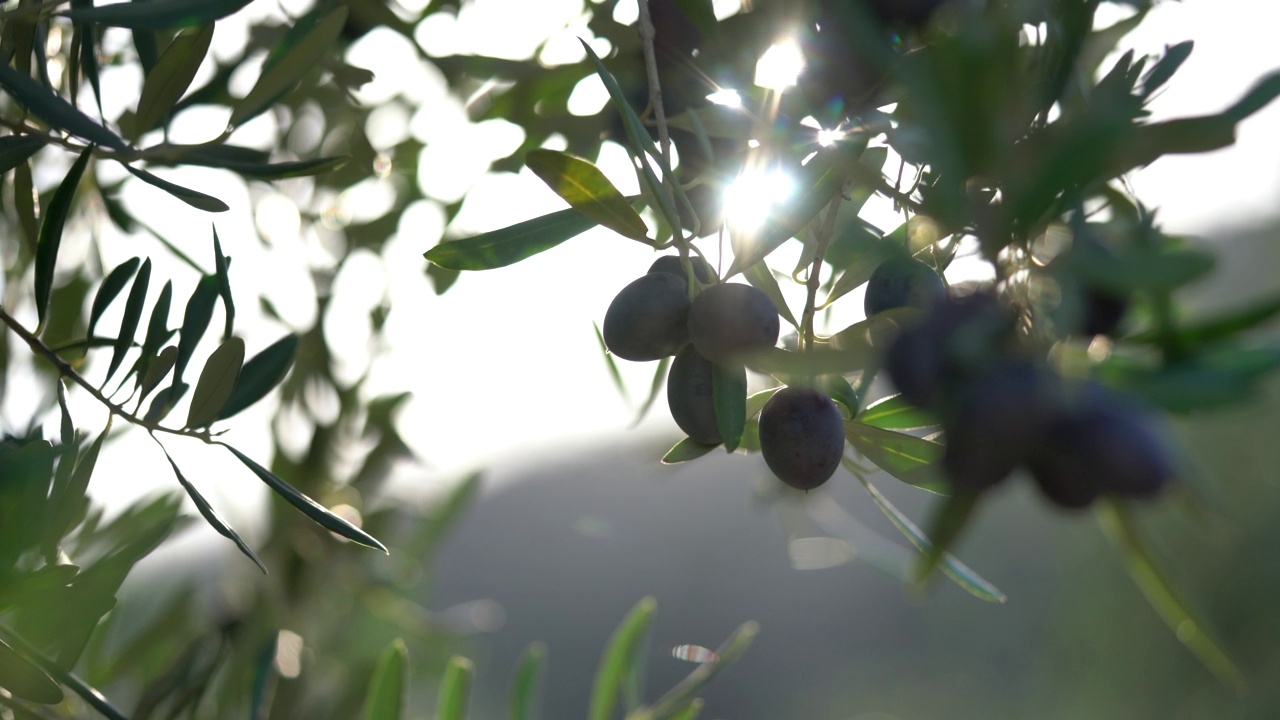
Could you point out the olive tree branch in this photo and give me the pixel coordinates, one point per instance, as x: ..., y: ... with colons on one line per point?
x: 65, y: 370
x: 823, y: 239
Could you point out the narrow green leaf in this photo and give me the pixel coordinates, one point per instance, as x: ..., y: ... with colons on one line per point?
x: 55, y: 217
x: 157, y: 332
x: 511, y: 244
x: 638, y: 140
x: 317, y: 512
x: 111, y: 286
x: 895, y: 413
x: 221, y: 264
x: 615, y: 665
x: 960, y: 573
x: 655, y: 388
x: 908, y: 458
x: 16, y: 149
x: 1223, y: 327
x: 26, y: 681
x: 260, y: 375
x: 761, y: 277
x: 690, y: 711
x: 614, y: 373
x: 729, y: 395
x: 24, y: 204
x: 195, y: 321
x: 947, y: 523
x: 59, y: 113
x: 194, y: 198
x: 1118, y: 524
x: 455, y: 689
x: 587, y: 189
x: 86, y: 39
x: 810, y: 363
x: 296, y: 62
x: 132, y: 313
x: 169, y: 79
x: 157, y: 14
x: 216, y: 383
x: 529, y: 670
x: 253, y: 163
x: 384, y: 699
x: 1163, y: 70
x: 156, y: 370
x: 211, y: 516
x: 676, y: 700
x: 69, y: 505
x: 164, y: 401
x: 686, y: 450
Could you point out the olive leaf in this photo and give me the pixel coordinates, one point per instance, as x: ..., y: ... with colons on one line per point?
x: 587, y: 189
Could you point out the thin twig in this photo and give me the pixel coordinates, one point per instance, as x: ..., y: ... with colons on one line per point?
x: 815, y: 271
x: 38, y: 347
x: 647, y: 34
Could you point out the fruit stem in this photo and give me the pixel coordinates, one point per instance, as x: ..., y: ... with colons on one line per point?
x: 823, y: 239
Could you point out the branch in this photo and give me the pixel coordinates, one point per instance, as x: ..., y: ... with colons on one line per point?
x: 65, y: 370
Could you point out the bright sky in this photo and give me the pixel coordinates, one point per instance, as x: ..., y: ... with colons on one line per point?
x: 506, y: 365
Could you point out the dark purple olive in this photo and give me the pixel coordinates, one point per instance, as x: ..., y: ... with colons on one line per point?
x: 1101, y: 446
x: 802, y: 436
x: 729, y: 320
x: 999, y: 423
x: 689, y: 396
x: 648, y: 319
x: 902, y: 282
x: 702, y: 270
x: 1103, y: 311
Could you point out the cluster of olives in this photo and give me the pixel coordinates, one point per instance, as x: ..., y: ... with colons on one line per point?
x: 801, y: 429
x: 1002, y: 410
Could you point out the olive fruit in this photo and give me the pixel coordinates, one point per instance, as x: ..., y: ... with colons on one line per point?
x: 689, y: 396
x: 1103, y: 311
x: 902, y: 282
x: 702, y: 270
x: 1101, y: 446
x: 956, y: 339
x: 1000, y: 421
x: 648, y: 319
x: 801, y: 436
x: 728, y: 320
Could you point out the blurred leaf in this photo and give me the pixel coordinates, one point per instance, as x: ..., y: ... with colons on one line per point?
x: 1163, y: 70
x: 169, y: 79
x: 216, y: 383
x: 220, y: 263
x: 1213, y: 378
x: 951, y: 567
x: 260, y: 375
x: 26, y: 681
x: 15, y: 149
x: 720, y: 121
x: 686, y: 450
x: 132, y: 314
x: 24, y: 204
x: 300, y: 59
x: 1224, y: 327
x: 157, y: 14
x: 57, y: 112
x: 815, y: 361
x: 157, y: 370
x: 615, y: 665
x: 585, y: 188
x: 1118, y: 524
x: 945, y: 527
x: 455, y: 689
x: 675, y: 701
x: 529, y: 671
x: 70, y: 504
x: 895, y: 413
x: 511, y: 244
x: 614, y: 373
x: 761, y: 277
x: 111, y: 286
x: 729, y: 395
x: 866, y: 256
x: 164, y: 401
x: 51, y: 229
x: 908, y: 458
x: 194, y: 198
x: 210, y: 515
x: 254, y: 163
x: 690, y: 712
x: 385, y: 697
x: 195, y: 320
x: 655, y: 387
x: 317, y: 512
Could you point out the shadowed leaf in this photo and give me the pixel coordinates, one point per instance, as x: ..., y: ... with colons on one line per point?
x: 169, y: 79
x: 195, y: 321
x: 260, y: 375
x: 111, y: 286
x: 54, y: 110
x: 194, y: 198
x: 511, y: 244
x: 55, y: 218
x: 157, y: 14
x: 221, y: 263
x: 15, y: 149
x: 156, y: 370
x: 211, y: 516
x: 26, y: 681
x: 729, y: 395
x: 132, y: 313
x: 157, y: 331
x: 216, y: 383
x: 283, y: 76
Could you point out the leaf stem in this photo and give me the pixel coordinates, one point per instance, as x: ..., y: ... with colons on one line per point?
x: 39, y: 348
x: 823, y: 238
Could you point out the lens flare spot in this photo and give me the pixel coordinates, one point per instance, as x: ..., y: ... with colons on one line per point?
x: 779, y: 67
x: 750, y: 198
